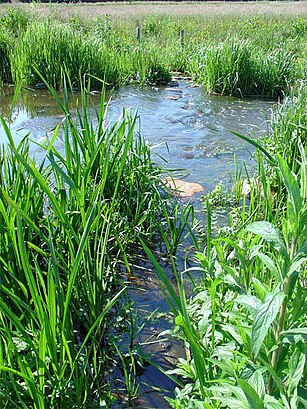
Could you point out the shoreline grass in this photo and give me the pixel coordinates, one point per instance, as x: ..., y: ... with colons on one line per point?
x: 68, y: 225
x: 223, y: 55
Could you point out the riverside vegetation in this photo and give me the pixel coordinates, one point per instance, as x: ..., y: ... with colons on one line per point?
x: 244, y: 326
x: 236, y: 56
x: 70, y: 221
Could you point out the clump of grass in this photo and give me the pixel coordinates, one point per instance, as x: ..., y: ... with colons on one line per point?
x: 224, y: 55
x: 5, y: 64
x: 237, y: 68
x: 226, y: 69
x: 69, y: 223
x: 289, y: 127
x: 53, y: 48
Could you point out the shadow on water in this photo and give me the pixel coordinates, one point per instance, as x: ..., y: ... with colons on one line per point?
x: 190, y: 131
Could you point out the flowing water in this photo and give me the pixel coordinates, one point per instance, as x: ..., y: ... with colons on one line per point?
x: 191, y: 131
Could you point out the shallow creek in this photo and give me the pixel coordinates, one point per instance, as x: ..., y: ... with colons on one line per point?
x: 191, y: 131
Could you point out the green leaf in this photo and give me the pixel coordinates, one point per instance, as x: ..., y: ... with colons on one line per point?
x: 225, y: 365
x: 269, y: 263
x: 302, y: 396
x: 295, y: 331
x: 257, y: 382
x: 303, y: 171
x: 229, y: 395
x: 296, y: 370
x: 296, y: 265
x: 266, y: 314
x: 291, y: 185
x: 257, y: 145
x: 260, y: 289
x: 272, y: 403
x: 251, y: 395
x: 270, y: 233
x: 250, y: 302
x: 166, y: 286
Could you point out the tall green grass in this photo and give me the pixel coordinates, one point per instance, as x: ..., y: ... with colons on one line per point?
x: 224, y: 55
x: 238, y: 68
x: 289, y: 127
x: 68, y: 224
x: 5, y: 65
x: 53, y: 48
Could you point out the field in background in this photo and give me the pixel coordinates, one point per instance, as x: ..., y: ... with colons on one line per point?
x: 205, y: 9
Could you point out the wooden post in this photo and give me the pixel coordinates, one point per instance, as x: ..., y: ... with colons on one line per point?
x: 182, y: 38
x: 138, y: 33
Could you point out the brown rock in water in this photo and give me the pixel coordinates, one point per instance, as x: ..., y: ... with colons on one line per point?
x: 181, y: 188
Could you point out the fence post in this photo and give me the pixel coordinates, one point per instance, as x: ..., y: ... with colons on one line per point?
x: 182, y: 38
x: 138, y: 33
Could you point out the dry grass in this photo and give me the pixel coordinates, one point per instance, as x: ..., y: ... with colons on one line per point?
x: 139, y: 9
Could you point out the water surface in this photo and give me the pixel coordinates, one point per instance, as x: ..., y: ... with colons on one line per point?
x: 189, y: 129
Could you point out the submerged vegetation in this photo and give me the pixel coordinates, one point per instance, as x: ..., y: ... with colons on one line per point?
x: 71, y: 219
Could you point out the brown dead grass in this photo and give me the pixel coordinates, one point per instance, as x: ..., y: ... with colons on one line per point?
x: 134, y: 10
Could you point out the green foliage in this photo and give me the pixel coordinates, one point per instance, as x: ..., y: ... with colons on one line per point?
x: 238, y: 68
x: 14, y: 19
x: 5, y: 66
x: 289, y: 127
x: 52, y: 49
x: 222, y: 54
x: 69, y: 223
x: 244, y: 326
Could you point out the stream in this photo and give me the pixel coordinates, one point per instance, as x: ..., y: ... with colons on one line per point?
x: 191, y: 131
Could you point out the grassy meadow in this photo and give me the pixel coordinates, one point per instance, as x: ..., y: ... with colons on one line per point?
x: 72, y: 222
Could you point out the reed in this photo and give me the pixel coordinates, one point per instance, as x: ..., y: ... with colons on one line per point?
x: 69, y: 222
